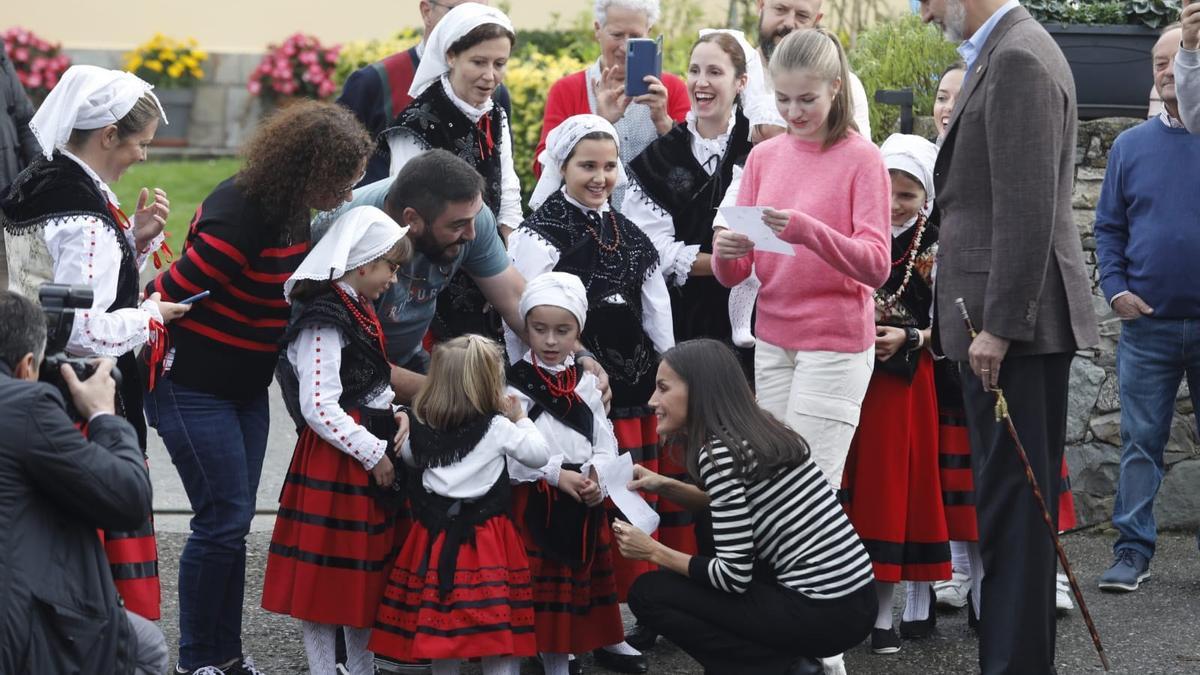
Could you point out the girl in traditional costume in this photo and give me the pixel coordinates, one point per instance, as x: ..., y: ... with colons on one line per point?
x: 891, y: 488
x: 559, y: 506
x: 63, y: 224
x: 452, y: 109
x: 461, y: 586
x: 336, y: 531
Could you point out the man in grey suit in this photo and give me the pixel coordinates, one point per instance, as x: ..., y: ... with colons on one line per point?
x: 1009, y: 248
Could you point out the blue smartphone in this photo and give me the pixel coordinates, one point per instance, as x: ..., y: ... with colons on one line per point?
x: 199, y: 296
x: 643, y: 57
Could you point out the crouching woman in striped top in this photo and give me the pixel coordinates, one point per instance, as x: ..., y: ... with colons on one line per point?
x: 790, y: 581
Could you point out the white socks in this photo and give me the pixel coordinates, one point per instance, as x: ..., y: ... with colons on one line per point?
x: 741, y: 308
x: 958, y: 557
x: 320, y: 645
x: 918, y: 596
x: 884, y: 592
x: 501, y: 665
x: 622, y: 648
x: 555, y: 664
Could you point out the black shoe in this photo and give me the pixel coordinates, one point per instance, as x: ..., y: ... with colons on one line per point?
x: 641, y: 638
x: 621, y: 663
x: 919, y: 629
x: 807, y: 665
x: 972, y: 619
x: 884, y: 641
x: 389, y: 666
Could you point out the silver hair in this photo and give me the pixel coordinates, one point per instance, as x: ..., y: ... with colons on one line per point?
x: 648, y: 7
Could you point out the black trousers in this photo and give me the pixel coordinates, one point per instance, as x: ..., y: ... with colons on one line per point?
x: 1017, y: 623
x: 762, y: 631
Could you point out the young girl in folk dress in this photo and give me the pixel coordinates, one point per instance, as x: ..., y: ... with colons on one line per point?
x: 890, y: 487
x: 335, y: 533
x: 558, y: 507
x: 461, y: 586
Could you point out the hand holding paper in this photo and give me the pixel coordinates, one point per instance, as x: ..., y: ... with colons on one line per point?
x: 615, y: 474
x: 749, y: 220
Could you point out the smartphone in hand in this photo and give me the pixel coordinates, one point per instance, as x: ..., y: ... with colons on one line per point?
x: 643, y: 57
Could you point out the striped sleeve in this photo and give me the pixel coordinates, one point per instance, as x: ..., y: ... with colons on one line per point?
x: 733, y: 529
x: 214, y: 256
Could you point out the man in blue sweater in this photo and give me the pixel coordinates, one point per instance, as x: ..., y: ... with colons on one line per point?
x: 1148, y: 243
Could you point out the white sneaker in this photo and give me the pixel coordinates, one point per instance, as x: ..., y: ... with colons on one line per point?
x: 1062, y: 594
x: 952, y: 593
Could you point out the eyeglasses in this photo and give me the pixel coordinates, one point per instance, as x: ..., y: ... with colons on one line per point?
x: 350, y: 187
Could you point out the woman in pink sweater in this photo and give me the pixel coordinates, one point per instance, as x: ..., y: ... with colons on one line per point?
x: 828, y: 195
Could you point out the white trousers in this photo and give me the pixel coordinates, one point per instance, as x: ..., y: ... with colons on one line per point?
x: 818, y: 394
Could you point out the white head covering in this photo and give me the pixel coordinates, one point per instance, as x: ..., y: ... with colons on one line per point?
x: 559, y: 143
x: 459, y: 21
x: 557, y: 289
x: 912, y: 155
x: 87, y: 97
x: 359, y: 236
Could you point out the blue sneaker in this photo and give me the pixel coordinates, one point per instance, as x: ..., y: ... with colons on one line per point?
x: 1129, y: 569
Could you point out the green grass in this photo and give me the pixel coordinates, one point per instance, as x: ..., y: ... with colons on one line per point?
x: 186, y: 182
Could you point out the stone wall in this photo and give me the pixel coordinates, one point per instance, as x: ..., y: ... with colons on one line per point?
x: 1094, y: 419
x: 224, y: 111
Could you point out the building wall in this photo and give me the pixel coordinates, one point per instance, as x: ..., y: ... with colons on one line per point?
x: 248, y: 26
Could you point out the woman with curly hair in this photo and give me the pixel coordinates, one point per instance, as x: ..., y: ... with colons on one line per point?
x: 208, y: 392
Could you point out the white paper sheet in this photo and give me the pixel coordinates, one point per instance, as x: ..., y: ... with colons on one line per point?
x: 614, y: 475
x: 748, y: 220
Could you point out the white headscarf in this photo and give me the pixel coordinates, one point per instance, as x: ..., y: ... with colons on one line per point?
x: 557, y: 289
x: 912, y: 155
x: 458, y: 22
x: 559, y: 143
x: 87, y: 97
x: 359, y: 236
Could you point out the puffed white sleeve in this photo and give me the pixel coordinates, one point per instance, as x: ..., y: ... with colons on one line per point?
x: 510, y: 184
x: 861, y: 105
x: 521, y: 441
x: 316, y: 354
x: 676, y: 257
x: 518, y: 472
x: 731, y: 196
x: 402, y: 147
x: 531, y: 255
x: 86, y: 252
x: 656, y: 312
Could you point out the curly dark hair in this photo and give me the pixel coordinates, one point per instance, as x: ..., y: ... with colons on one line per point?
x: 305, y: 152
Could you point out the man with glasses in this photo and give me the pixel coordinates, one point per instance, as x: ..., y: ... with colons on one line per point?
x: 378, y: 92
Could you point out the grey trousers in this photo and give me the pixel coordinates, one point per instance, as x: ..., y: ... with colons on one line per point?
x: 150, y: 649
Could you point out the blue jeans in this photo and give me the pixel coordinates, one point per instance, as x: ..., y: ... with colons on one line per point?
x: 217, y: 446
x: 1152, y: 358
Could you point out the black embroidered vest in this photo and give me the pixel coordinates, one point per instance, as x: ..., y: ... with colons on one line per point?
x: 572, y: 412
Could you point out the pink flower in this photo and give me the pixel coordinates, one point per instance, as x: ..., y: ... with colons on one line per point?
x: 331, y: 56
x: 35, y: 81
x: 22, y: 37
x: 326, y: 89
x: 20, y: 54
x: 254, y: 86
x: 308, y: 57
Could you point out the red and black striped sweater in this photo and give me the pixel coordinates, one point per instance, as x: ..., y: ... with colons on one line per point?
x: 227, y: 344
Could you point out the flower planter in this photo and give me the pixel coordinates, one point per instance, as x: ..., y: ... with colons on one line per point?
x: 1111, y: 66
x: 177, y: 103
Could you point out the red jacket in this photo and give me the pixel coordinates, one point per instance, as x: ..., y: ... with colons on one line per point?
x: 569, y: 97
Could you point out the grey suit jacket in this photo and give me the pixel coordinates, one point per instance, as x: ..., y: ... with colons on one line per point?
x: 1004, y: 179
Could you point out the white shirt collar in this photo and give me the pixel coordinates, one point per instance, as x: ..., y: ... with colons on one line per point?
x: 1170, y: 122
x: 579, y: 205
x: 970, y: 48
x: 898, y: 230
x: 108, y: 193
x: 567, y: 361
x: 467, y: 109
x: 349, y: 290
x: 704, y: 149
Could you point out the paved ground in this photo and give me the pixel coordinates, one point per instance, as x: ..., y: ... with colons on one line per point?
x: 1152, y: 631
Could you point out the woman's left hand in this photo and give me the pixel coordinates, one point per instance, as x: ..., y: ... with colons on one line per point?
x: 888, y: 341
x: 656, y: 100
x: 632, y: 542
x: 150, y: 217
x: 777, y: 219
x: 401, y: 430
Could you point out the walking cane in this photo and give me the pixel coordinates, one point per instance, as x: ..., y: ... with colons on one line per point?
x: 1003, y: 416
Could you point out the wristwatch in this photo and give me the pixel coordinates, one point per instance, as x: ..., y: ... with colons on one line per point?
x: 912, y: 339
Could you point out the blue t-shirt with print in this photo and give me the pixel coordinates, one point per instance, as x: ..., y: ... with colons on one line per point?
x: 406, y: 310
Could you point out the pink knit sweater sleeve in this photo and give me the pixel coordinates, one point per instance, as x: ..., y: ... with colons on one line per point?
x: 732, y: 272
x: 863, y: 255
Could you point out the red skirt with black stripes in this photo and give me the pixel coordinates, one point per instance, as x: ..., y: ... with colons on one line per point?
x: 133, y: 561
x: 575, y: 610
x: 891, y: 488
x: 333, y: 542
x: 488, y: 611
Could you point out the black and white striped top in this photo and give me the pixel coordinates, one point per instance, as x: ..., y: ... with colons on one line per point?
x: 791, y: 522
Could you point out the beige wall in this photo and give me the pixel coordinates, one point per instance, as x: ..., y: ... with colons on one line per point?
x: 249, y: 25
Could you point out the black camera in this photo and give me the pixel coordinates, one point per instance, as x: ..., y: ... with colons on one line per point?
x: 59, y: 302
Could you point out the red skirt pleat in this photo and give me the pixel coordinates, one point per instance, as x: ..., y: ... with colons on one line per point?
x: 333, y: 543
x: 133, y: 561
x: 891, y: 488
x: 954, y: 461
x: 488, y: 612
x: 575, y: 610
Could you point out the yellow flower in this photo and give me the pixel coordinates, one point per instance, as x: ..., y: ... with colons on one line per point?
x: 156, y: 66
x: 133, y: 62
x: 166, y: 55
x: 175, y: 70
x: 200, y: 54
x: 197, y: 73
x: 188, y: 61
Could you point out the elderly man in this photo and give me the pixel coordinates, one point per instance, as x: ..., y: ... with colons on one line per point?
x: 1010, y: 250
x: 378, y: 92
x: 1146, y: 240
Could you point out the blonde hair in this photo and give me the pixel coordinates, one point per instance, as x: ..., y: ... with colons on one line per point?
x: 465, y: 382
x: 820, y: 52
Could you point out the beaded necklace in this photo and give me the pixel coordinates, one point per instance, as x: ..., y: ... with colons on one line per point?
x: 885, y: 301
x: 364, y: 317
x: 562, y: 385
x: 596, y: 234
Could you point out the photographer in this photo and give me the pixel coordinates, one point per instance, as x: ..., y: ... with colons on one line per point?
x: 59, y: 610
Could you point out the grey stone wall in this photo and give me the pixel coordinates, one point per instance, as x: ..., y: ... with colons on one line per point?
x: 1094, y: 421
x: 224, y: 111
